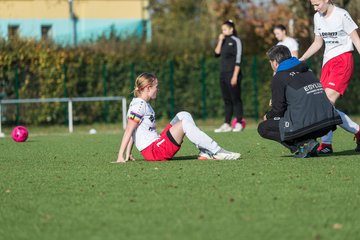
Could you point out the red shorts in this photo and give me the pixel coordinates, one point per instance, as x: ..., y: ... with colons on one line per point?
x: 337, y: 72
x: 163, y: 148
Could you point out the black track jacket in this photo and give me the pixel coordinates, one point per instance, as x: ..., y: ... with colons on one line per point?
x: 299, y: 101
x: 230, y: 54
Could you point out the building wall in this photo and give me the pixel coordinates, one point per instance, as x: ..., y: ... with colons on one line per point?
x: 95, y: 17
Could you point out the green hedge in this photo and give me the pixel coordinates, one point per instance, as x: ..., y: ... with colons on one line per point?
x: 45, y: 70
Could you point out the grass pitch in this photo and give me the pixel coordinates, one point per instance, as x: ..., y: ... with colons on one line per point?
x: 64, y: 187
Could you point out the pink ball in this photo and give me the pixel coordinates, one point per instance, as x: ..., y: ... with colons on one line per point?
x: 20, y: 134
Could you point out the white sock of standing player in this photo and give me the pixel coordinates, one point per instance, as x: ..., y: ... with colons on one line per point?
x: 348, y: 124
x: 327, y: 139
x: 194, y: 134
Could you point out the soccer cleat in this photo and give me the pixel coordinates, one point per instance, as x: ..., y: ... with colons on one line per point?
x: 324, y: 149
x: 224, y: 128
x: 222, y: 154
x: 357, y: 138
x: 308, y: 149
x: 226, y: 155
x: 238, y: 127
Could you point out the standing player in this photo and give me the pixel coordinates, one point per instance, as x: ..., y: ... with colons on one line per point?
x: 229, y: 50
x: 141, y: 130
x: 335, y: 27
x: 281, y: 35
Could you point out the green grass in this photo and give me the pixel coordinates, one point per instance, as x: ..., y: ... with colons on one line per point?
x: 61, y: 186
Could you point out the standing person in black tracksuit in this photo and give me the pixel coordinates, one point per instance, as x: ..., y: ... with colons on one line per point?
x: 300, y: 110
x: 229, y: 50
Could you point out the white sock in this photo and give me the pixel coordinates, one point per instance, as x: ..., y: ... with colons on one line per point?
x: 194, y: 134
x: 348, y: 124
x: 327, y: 139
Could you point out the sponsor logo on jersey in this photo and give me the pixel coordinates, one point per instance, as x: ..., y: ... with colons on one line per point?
x: 329, y: 34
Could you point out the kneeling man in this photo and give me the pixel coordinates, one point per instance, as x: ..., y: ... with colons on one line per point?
x: 300, y: 111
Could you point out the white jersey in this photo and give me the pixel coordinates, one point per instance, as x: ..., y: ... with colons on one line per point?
x: 141, y: 112
x: 335, y: 30
x: 290, y: 43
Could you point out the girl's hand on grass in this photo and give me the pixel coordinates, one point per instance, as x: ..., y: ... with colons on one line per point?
x: 130, y: 157
x: 120, y: 159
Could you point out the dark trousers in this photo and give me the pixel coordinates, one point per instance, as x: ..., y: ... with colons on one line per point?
x: 269, y: 129
x: 231, y: 96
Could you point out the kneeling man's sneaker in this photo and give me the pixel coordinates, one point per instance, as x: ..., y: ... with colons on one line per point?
x: 226, y: 155
x: 224, y: 128
x: 309, y: 149
x: 324, y: 149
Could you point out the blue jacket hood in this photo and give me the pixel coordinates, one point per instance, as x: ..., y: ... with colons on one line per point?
x: 288, y: 63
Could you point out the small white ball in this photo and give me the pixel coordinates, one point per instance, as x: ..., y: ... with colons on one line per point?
x: 92, y: 131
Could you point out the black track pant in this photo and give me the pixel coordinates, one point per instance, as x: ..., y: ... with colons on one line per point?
x: 231, y: 96
x: 269, y: 129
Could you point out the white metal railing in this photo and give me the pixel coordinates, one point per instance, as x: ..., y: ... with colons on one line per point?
x: 70, y: 106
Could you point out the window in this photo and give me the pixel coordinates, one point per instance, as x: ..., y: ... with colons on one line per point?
x: 13, y: 31
x: 45, y: 32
